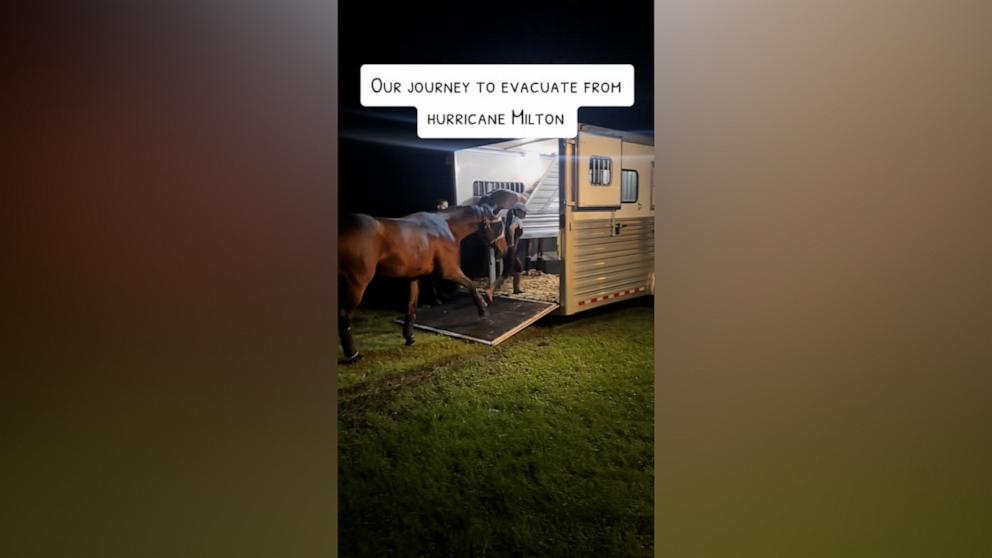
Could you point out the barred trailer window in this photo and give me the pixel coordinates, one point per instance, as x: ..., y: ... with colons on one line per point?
x: 483, y: 187
x: 600, y: 171
x: 628, y: 186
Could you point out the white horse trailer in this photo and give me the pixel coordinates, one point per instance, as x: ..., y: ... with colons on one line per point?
x: 590, y: 208
x: 589, y: 226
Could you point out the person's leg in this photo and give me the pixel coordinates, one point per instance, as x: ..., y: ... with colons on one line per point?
x: 517, y: 270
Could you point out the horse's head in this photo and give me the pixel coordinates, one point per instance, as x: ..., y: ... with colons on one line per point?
x: 514, y: 218
x: 491, y: 229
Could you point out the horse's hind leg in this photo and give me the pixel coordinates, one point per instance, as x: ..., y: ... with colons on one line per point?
x: 350, y: 294
x: 411, y: 310
x: 433, y: 283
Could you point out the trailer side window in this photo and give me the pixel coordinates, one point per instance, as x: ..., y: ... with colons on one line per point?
x: 628, y: 186
x: 600, y: 171
x: 483, y: 187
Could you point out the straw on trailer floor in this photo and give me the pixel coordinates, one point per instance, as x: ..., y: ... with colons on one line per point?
x: 535, y: 284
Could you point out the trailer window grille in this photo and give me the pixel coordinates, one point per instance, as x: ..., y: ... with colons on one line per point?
x: 628, y: 186
x: 483, y: 187
x: 600, y: 171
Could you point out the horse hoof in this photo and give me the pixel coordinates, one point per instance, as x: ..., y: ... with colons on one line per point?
x: 410, y: 341
x: 352, y: 359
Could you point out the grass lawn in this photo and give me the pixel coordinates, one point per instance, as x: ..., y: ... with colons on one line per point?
x: 542, y: 446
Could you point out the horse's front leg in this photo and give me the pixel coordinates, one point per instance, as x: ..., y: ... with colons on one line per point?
x: 508, y: 257
x: 411, y: 310
x: 455, y: 275
x: 490, y: 287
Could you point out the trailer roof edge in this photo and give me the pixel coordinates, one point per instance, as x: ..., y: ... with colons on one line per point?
x: 630, y: 137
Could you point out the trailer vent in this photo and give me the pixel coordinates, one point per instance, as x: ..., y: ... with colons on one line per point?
x: 600, y: 170
x: 483, y: 187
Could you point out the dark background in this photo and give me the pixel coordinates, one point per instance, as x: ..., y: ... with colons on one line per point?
x: 386, y: 170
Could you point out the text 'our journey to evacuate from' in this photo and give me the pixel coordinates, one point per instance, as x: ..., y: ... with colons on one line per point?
x: 505, y: 87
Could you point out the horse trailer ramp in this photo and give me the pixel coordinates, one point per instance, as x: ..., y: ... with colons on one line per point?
x: 460, y: 318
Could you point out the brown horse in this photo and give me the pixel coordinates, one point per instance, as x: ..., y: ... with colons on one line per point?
x: 503, y: 199
x: 411, y: 247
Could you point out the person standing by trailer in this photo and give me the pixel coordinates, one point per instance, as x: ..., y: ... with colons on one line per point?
x: 512, y: 266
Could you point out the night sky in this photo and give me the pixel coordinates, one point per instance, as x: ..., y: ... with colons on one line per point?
x: 385, y: 169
